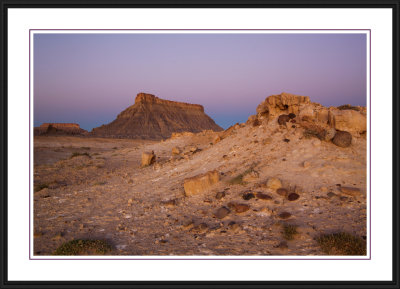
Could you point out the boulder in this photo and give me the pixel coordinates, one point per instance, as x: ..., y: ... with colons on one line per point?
x: 200, y: 183
x: 176, y: 151
x: 352, y: 121
x: 342, y: 139
x: 274, y: 183
x: 148, y: 158
x: 222, y: 212
x: 350, y: 191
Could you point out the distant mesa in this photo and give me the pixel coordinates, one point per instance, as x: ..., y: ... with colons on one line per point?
x: 59, y: 129
x: 154, y: 118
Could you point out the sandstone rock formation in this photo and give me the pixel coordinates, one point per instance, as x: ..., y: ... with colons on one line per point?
x: 59, y: 129
x: 148, y: 158
x: 154, y: 118
x: 200, y: 183
x: 313, y: 116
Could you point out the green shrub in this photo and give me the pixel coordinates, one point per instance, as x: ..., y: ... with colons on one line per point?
x: 342, y: 244
x: 83, y: 247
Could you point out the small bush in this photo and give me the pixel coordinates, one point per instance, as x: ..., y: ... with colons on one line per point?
x: 289, y: 231
x: 309, y: 133
x: 83, y: 247
x: 342, y: 244
x: 39, y: 187
x: 347, y: 107
x: 77, y: 154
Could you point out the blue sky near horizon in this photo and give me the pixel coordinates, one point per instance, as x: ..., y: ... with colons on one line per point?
x: 90, y: 78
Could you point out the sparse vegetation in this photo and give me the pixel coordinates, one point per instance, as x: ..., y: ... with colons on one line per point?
x: 347, y: 107
x: 85, y: 148
x: 238, y: 180
x: 309, y: 133
x: 83, y: 247
x: 100, y: 183
x: 289, y: 231
x: 39, y: 187
x: 342, y: 243
x: 77, y: 154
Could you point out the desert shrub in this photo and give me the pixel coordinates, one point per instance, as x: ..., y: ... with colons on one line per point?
x: 39, y: 187
x: 342, y: 244
x: 77, y: 154
x: 238, y: 180
x: 310, y: 133
x: 347, y: 107
x: 83, y: 247
x: 289, y: 231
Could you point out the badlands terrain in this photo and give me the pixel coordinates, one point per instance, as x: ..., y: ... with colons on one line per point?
x: 272, y: 186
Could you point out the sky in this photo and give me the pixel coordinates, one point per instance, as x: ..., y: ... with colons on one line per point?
x: 90, y: 78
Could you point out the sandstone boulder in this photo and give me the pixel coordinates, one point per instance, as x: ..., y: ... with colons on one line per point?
x: 200, y: 183
x: 350, y: 191
x: 176, y: 151
x: 148, y: 158
x: 274, y: 183
x: 352, y: 121
x: 342, y: 139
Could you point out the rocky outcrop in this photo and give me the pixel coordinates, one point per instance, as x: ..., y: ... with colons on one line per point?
x: 59, y: 129
x: 312, y: 115
x: 200, y: 183
x: 154, y: 118
x: 148, y: 158
x: 276, y: 105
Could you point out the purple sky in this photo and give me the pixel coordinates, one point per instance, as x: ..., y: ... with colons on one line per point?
x: 90, y: 78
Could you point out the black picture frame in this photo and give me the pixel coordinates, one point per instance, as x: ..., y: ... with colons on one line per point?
x: 327, y: 4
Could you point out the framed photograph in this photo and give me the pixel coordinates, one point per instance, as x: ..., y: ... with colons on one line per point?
x: 209, y: 145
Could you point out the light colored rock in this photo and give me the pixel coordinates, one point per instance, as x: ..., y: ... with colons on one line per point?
x: 217, y: 139
x: 316, y: 143
x: 352, y: 121
x: 176, y: 151
x: 200, y: 183
x: 274, y: 183
x: 148, y: 158
x: 329, y: 134
x: 350, y: 191
x: 275, y: 105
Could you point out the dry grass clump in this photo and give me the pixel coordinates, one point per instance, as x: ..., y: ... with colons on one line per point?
x: 309, y: 133
x: 83, y: 247
x: 39, y: 187
x: 77, y: 154
x: 238, y: 180
x: 289, y: 231
x: 347, y: 107
x: 342, y: 244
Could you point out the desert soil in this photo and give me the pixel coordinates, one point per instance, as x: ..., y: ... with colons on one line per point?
x: 105, y: 194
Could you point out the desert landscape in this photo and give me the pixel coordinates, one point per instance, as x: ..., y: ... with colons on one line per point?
x: 164, y: 179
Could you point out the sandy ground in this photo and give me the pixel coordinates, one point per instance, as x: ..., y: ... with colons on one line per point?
x: 144, y: 211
